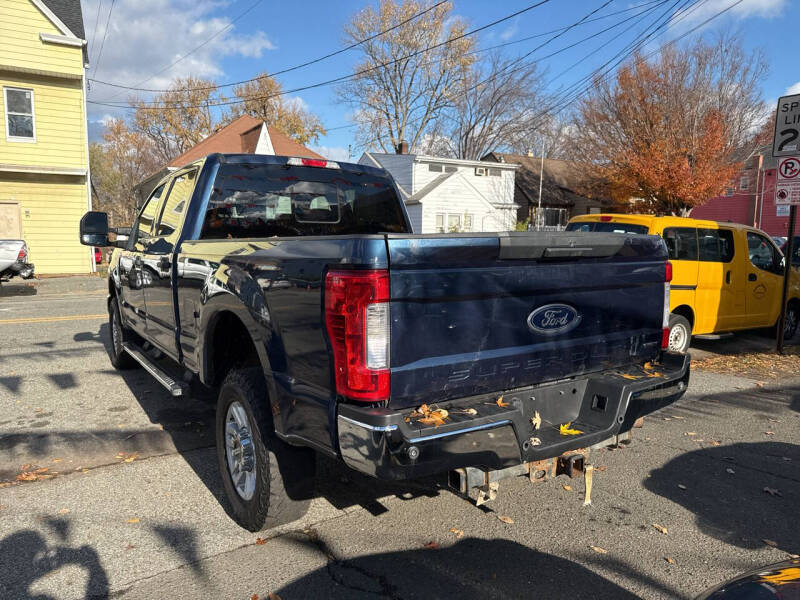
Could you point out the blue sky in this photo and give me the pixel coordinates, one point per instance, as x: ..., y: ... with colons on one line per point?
x: 145, y: 37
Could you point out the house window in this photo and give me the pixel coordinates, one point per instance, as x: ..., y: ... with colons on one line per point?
x: 450, y: 169
x: 480, y: 171
x: 467, y: 222
x: 729, y: 189
x: 454, y: 223
x: 440, y: 223
x: 744, y: 183
x: 19, y: 115
x: 436, y: 168
x: 494, y: 172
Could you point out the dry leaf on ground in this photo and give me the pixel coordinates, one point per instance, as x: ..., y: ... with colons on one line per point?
x: 670, y: 560
x: 564, y: 429
x: 600, y: 468
x: 260, y: 541
x: 757, y: 365
x: 567, y: 487
x: 536, y: 420
x: 599, y: 550
x: 134, y: 520
x: 63, y: 511
x: 431, y: 546
x: 505, y: 519
x: 770, y: 543
x: 769, y: 433
x: 273, y: 596
x: 459, y: 532
x: 660, y: 528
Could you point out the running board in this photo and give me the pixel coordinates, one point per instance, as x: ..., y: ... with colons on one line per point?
x: 175, y: 388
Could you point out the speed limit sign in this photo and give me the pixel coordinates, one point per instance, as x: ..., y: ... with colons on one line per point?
x: 786, y: 141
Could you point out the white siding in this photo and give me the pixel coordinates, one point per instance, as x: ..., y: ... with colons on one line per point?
x: 454, y: 196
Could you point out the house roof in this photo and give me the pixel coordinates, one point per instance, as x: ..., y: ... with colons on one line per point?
x: 69, y: 13
x: 241, y: 136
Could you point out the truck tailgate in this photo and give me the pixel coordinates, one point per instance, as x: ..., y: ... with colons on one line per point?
x: 481, y: 313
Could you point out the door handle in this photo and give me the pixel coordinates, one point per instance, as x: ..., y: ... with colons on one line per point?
x: 727, y: 276
x: 137, y: 261
x: 752, y: 277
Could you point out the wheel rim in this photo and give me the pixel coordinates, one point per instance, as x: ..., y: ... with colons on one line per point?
x: 677, y: 338
x: 239, y: 451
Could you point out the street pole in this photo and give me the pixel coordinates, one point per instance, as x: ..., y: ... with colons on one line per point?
x: 541, y: 174
x: 787, y: 273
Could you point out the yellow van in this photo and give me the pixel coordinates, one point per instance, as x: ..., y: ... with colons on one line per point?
x: 725, y: 276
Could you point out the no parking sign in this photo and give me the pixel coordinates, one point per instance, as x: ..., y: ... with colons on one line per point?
x: 787, y: 188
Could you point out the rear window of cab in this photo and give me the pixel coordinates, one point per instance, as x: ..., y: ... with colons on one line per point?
x: 705, y: 245
x: 608, y: 227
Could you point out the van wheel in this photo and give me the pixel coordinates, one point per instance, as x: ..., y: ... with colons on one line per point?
x: 267, y: 481
x: 119, y: 334
x: 680, y: 334
x: 792, y: 318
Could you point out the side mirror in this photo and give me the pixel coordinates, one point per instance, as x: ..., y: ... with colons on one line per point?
x: 122, y: 233
x: 94, y: 229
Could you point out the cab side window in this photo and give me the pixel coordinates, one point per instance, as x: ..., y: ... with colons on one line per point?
x: 144, y: 224
x: 715, y: 245
x: 175, y: 204
x: 763, y: 254
x: 681, y: 242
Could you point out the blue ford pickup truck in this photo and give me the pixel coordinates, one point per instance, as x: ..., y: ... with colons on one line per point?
x: 296, y: 288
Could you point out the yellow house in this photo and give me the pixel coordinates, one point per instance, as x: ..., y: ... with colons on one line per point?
x: 44, y: 155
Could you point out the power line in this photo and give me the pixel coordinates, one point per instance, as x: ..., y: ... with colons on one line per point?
x: 276, y: 73
x: 105, y: 34
x: 96, y: 21
x: 343, y: 77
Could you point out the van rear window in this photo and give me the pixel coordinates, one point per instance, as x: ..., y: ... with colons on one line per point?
x: 255, y: 201
x: 716, y: 245
x: 681, y: 243
x: 608, y: 227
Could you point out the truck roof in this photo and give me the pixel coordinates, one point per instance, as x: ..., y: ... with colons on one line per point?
x: 648, y: 220
x: 271, y: 159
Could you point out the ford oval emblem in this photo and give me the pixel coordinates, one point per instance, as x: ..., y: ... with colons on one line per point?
x: 553, y: 318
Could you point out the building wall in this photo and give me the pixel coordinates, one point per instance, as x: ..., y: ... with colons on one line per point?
x: 50, y: 204
x: 51, y: 207
x: 21, y: 47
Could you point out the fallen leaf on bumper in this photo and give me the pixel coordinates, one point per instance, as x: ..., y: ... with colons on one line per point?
x: 564, y: 429
x: 772, y: 491
x: 501, y: 403
x: 681, y: 486
x: 536, y: 420
x: 535, y: 441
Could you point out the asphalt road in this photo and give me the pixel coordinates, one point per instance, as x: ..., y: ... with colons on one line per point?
x: 156, y: 527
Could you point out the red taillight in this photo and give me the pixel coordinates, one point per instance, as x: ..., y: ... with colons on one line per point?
x: 605, y: 219
x: 665, y: 338
x: 357, y: 319
x: 23, y: 254
x: 668, y: 271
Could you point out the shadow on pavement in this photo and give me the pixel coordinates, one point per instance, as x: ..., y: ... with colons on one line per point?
x: 26, y: 557
x: 17, y: 289
x: 740, y: 494
x: 472, y: 568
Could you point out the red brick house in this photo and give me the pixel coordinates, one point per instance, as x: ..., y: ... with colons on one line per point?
x: 750, y: 198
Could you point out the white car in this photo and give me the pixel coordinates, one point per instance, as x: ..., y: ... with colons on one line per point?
x: 14, y: 260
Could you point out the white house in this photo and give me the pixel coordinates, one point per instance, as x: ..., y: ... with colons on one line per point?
x: 446, y: 194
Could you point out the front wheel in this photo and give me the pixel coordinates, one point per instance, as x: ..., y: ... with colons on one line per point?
x: 119, y: 335
x: 680, y: 334
x: 267, y: 482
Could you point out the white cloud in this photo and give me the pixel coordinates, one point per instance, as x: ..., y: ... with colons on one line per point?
x: 334, y: 153
x: 510, y: 31
x: 147, y: 35
x: 747, y: 8
x: 793, y: 89
x: 296, y: 102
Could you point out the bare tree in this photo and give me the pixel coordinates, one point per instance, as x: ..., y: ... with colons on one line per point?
x: 403, y: 83
x: 496, y: 107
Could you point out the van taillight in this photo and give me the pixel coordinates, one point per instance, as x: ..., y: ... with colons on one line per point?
x: 665, y: 317
x: 357, y: 319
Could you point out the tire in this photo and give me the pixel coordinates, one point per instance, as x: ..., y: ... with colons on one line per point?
x: 680, y: 334
x: 119, y: 334
x: 275, y: 480
x: 792, y: 318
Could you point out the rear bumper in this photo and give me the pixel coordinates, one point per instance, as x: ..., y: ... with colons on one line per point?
x: 381, y: 442
x: 23, y: 269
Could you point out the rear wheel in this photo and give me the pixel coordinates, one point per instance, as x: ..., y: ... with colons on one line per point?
x: 792, y: 318
x: 680, y: 334
x: 119, y: 335
x: 267, y: 482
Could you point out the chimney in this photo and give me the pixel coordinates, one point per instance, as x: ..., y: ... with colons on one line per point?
x: 402, y: 147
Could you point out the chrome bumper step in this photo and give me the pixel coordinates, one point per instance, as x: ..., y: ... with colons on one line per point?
x: 174, y: 387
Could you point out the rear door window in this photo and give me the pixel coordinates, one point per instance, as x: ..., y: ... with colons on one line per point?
x: 681, y: 242
x: 608, y: 227
x: 256, y: 201
x: 715, y: 245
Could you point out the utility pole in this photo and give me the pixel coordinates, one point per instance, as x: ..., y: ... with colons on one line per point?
x: 541, y: 173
